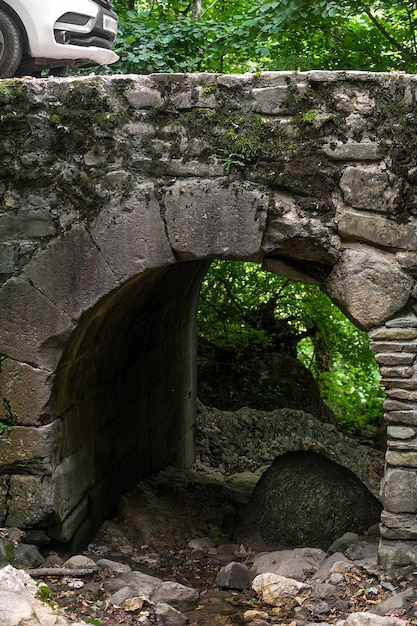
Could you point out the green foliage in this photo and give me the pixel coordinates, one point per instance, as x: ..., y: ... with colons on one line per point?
x: 336, y: 352
x: 246, y: 35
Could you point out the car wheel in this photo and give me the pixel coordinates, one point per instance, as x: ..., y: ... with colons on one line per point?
x: 11, y: 45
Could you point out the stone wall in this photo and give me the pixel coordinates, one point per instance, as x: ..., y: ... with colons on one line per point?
x: 116, y: 192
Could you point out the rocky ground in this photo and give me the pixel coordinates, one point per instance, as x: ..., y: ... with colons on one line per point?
x: 168, y: 557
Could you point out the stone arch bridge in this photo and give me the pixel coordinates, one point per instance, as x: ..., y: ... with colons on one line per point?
x: 116, y: 192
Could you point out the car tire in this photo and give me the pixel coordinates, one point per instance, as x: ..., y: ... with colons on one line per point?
x: 11, y: 45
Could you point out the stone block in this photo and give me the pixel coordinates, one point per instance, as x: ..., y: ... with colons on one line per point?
x: 34, y: 223
x: 396, y: 383
x: 394, y: 346
x: 31, y: 447
x: 27, y: 391
x: 401, y: 417
x: 395, y: 359
x: 376, y: 229
x: 71, y: 272
x: 399, y: 490
x: 401, y: 459
x: 398, y: 405
x: 396, y: 372
x: 32, y: 327
x: 398, y: 526
x: 32, y: 501
x: 131, y: 236
x: 401, y: 432
x: 203, y: 227
x: 393, y: 554
x: 403, y: 321
x: 369, y: 286
x: 393, y: 334
x: 144, y: 98
x: 402, y: 394
x: 353, y: 151
x: 369, y: 187
x: 269, y: 100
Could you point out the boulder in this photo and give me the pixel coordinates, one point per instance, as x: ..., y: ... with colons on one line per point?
x: 305, y: 499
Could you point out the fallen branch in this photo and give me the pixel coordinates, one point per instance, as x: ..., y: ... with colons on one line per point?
x: 40, y: 572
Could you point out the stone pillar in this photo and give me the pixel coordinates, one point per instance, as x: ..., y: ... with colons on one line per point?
x: 395, y: 345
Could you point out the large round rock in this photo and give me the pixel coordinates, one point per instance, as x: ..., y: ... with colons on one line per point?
x: 305, y: 499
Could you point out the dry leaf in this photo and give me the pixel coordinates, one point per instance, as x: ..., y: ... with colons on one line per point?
x: 133, y: 604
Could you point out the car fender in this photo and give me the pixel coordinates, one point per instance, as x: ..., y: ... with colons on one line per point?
x: 39, y: 32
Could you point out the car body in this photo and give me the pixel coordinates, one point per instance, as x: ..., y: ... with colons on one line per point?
x: 46, y: 34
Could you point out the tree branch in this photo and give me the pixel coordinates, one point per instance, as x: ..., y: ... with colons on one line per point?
x: 387, y: 35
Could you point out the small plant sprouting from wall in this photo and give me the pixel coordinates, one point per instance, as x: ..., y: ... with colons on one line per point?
x: 232, y: 159
x: 9, y: 417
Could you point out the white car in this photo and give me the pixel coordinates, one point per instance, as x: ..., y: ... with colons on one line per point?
x: 53, y: 34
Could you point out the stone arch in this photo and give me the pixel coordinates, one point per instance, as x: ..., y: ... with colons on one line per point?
x: 120, y: 192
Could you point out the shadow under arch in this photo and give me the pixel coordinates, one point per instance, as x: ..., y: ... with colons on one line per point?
x: 125, y: 395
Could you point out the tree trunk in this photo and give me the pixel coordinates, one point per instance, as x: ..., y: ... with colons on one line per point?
x: 196, y: 10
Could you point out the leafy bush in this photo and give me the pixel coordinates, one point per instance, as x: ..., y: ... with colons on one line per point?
x: 235, y: 314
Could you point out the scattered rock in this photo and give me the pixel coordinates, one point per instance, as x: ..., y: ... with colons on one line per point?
x: 233, y: 576
x: 274, y: 589
x: 299, y: 563
x: 368, y: 619
x: 342, y: 543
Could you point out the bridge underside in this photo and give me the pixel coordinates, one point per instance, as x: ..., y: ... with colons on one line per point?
x: 116, y: 192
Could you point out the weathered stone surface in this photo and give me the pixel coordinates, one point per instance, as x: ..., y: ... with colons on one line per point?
x: 353, y: 225
x: 269, y: 99
x: 401, y: 417
x: 401, y: 432
x: 305, y: 499
x: 368, y: 285
x: 273, y: 589
x: 65, y: 530
x: 396, y: 334
x: 4, y: 487
x: 400, y: 491
x: 395, y: 359
x: 71, y: 272
x: 139, y: 241
x: 402, y: 394
x: 30, y: 447
x: 369, y: 187
x: 366, y: 619
x: 8, y: 263
x: 394, y: 346
x: 203, y: 226
x: 403, y: 321
x: 26, y: 390
x: 400, y: 373
x: 401, y: 458
x: 353, y: 151
x: 297, y: 563
x: 396, y: 553
x: 28, y: 322
x: 32, y: 501
x: 398, y: 525
x: 234, y: 575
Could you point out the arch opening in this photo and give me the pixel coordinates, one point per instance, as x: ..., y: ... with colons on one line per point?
x: 125, y: 395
